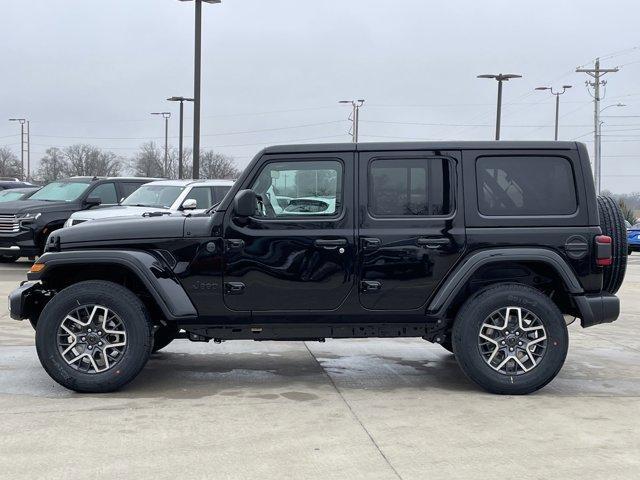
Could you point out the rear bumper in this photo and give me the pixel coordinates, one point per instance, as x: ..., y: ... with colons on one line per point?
x: 597, y: 309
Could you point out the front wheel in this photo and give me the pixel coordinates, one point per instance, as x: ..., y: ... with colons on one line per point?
x: 94, y: 336
x: 510, y: 339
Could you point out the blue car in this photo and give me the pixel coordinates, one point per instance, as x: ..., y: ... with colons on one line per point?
x: 633, y: 237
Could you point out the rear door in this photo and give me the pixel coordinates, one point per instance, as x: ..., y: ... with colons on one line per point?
x: 410, y: 230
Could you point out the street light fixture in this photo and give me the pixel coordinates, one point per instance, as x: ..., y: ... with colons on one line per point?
x: 180, y: 157
x: 557, y: 95
x: 196, y: 84
x: 166, y: 116
x: 501, y: 77
x: 22, y: 122
x: 354, y: 117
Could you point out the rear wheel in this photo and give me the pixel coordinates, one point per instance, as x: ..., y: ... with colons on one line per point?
x: 612, y: 224
x: 510, y: 339
x: 94, y: 336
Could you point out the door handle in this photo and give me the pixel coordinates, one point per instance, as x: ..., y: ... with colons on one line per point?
x: 330, y: 243
x: 433, y: 243
x: 234, y: 288
x: 371, y: 243
x: 370, y: 286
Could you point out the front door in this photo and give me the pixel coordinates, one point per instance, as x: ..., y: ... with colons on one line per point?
x: 410, y: 233
x: 298, y: 251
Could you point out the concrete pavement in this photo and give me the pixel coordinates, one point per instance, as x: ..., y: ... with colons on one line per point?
x: 349, y: 409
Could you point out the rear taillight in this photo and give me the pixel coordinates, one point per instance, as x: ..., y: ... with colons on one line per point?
x: 604, y: 254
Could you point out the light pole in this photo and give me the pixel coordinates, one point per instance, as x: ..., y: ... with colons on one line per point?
x: 557, y: 95
x: 196, y: 85
x: 501, y: 77
x: 25, y: 145
x: 354, y: 117
x: 180, y: 158
x: 597, y: 164
x: 166, y: 116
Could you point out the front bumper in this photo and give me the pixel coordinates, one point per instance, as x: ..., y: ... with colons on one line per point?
x: 27, y: 300
x: 21, y: 244
x: 597, y: 309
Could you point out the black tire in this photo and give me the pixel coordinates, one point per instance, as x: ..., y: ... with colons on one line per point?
x: 612, y: 224
x: 466, y: 332
x: 8, y: 258
x: 164, y: 336
x: 134, y: 317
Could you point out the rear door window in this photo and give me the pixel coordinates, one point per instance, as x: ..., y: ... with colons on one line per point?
x: 418, y: 187
x: 525, y: 186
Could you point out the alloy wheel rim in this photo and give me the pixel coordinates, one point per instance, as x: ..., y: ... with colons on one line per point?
x: 92, y: 339
x: 512, y: 340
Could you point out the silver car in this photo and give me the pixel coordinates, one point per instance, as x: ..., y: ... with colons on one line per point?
x: 171, y: 196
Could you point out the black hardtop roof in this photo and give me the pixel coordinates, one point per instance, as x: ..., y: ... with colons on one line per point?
x: 445, y: 145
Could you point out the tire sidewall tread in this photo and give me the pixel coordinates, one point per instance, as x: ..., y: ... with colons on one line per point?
x: 131, y: 311
x: 467, y: 327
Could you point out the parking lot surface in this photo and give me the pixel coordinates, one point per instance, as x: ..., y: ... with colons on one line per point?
x: 344, y: 409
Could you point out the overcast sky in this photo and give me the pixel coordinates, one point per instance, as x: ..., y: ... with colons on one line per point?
x: 273, y: 70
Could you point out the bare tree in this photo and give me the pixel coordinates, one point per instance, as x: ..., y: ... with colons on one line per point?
x: 10, y: 165
x: 87, y: 160
x: 218, y: 165
x: 149, y: 160
x: 53, y: 165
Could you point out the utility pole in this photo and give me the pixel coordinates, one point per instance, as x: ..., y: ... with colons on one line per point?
x: 596, y: 73
x: 557, y: 95
x: 166, y: 116
x: 501, y: 77
x: 180, y: 154
x: 354, y: 117
x: 25, y: 144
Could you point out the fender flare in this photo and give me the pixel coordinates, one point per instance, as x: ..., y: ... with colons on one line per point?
x: 465, y: 270
x: 154, y: 274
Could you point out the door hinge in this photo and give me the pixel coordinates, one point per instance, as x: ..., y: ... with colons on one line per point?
x: 233, y: 244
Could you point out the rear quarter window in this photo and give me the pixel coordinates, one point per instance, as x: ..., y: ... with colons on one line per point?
x: 525, y: 186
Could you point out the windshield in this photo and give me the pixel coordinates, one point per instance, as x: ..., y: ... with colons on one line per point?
x: 160, y: 196
x: 8, y: 195
x: 61, y: 191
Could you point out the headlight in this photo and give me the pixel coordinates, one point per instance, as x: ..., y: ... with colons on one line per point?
x: 28, y: 218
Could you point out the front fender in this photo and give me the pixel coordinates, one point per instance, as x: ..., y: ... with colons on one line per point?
x: 154, y: 274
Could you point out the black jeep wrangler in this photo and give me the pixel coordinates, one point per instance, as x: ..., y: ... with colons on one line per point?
x: 488, y: 248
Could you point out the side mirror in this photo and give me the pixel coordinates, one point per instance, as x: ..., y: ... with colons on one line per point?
x: 246, y: 203
x: 92, y: 201
x: 190, y: 204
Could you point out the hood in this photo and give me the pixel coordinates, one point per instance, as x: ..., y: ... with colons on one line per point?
x: 114, y: 212
x: 33, y: 206
x: 123, y: 230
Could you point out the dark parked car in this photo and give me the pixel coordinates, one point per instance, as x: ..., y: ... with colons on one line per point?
x: 487, y: 248
x: 13, y: 194
x: 10, y: 184
x: 25, y: 224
